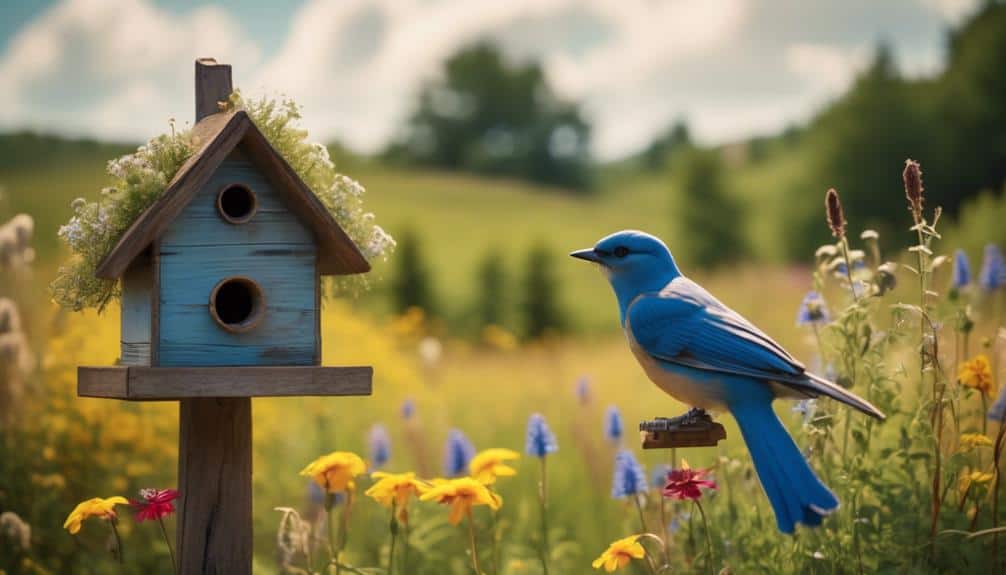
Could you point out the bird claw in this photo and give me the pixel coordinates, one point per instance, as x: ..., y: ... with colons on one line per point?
x: 693, y: 418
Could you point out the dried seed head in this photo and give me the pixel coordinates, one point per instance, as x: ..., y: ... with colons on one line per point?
x: 913, y: 187
x: 834, y: 213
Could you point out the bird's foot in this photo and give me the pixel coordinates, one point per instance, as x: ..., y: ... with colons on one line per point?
x: 694, y: 417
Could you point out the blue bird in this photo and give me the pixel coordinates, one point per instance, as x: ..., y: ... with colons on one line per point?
x: 704, y: 354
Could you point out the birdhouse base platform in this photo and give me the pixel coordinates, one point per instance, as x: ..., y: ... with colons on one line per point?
x: 693, y: 429
x: 171, y: 383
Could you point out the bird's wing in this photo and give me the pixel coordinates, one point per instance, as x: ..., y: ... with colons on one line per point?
x: 685, y: 325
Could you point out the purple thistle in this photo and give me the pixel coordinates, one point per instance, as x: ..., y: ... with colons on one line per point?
x: 998, y: 410
x: 457, y: 453
x: 658, y: 477
x: 613, y: 428
x: 583, y: 390
x: 540, y: 439
x: 379, y: 446
x: 993, y: 274
x: 408, y: 409
x: 629, y: 478
x: 813, y: 310
x: 961, y: 274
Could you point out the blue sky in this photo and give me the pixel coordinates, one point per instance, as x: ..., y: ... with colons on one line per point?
x: 119, y: 69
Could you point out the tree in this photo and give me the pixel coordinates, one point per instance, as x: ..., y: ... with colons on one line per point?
x: 712, y: 220
x: 411, y: 286
x: 492, y: 290
x: 489, y: 116
x: 662, y: 150
x: 540, y: 306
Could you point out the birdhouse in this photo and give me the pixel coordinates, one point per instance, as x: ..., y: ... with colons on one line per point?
x: 220, y: 283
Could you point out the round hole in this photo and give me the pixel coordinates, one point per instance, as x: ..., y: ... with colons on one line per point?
x: 237, y: 304
x: 236, y: 203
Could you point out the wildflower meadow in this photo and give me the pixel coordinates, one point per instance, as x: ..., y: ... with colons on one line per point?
x: 404, y: 371
x: 523, y: 460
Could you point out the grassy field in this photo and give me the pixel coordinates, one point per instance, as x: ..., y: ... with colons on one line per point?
x: 458, y: 218
x: 63, y: 449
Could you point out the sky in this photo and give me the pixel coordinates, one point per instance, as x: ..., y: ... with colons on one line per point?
x: 121, y: 69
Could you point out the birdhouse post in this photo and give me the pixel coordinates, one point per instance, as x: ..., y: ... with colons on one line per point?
x: 221, y: 293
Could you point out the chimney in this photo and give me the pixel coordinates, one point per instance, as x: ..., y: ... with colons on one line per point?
x: 213, y: 85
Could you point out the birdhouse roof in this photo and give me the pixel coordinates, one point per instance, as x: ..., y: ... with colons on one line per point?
x: 215, y: 137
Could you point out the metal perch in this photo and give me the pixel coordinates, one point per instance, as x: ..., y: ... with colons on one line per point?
x: 693, y: 429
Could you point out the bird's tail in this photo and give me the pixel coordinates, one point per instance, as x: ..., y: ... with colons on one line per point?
x: 796, y: 494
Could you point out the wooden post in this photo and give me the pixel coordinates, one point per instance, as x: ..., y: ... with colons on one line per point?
x: 215, y: 480
x: 213, y: 85
x: 214, y: 439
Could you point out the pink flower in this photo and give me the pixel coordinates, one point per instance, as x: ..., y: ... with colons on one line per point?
x: 687, y: 483
x: 156, y: 503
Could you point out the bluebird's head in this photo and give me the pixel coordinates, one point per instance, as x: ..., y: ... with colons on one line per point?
x: 634, y: 262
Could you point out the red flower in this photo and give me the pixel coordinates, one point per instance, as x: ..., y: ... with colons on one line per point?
x: 687, y: 483
x: 156, y: 503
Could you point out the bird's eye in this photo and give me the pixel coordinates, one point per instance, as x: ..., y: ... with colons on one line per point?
x: 621, y: 251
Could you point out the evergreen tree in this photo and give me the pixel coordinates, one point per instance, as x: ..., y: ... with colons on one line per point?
x: 411, y: 286
x: 491, y: 289
x: 711, y: 218
x: 540, y: 307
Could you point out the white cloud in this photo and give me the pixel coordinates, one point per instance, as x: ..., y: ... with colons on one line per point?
x: 121, y: 68
x: 952, y: 11
x: 112, y: 68
x: 361, y: 96
x: 827, y: 70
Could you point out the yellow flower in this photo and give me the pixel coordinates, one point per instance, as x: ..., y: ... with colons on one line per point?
x: 395, y: 489
x: 971, y: 441
x: 96, y: 507
x: 619, y: 554
x: 461, y: 494
x: 335, y: 472
x: 976, y: 373
x: 973, y: 478
x: 488, y: 465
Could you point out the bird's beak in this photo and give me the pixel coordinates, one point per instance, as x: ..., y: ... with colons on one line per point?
x: 588, y: 254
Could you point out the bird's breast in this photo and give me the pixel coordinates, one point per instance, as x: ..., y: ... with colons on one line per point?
x: 687, y: 385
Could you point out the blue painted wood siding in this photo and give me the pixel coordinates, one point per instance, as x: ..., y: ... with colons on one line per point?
x: 274, y: 249
x: 137, y: 312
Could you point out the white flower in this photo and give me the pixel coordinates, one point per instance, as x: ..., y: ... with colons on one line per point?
x: 379, y: 243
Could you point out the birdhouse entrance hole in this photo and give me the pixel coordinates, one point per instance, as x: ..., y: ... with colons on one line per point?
x: 237, y: 304
x: 236, y: 203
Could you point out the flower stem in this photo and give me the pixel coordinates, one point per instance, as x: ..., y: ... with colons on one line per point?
x: 639, y: 508
x: 118, y: 540
x: 543, y: 501
x: 474, y: 546
x: 171, y: 552
x: 394, y: 536
x: 705, y: 528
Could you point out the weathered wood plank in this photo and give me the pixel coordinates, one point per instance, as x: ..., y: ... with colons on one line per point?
x: 170, y: 383
x: 284, y: 336
x: 103, y: 382
x: 213, y: 85
x: 215, y: 480
x: 135, y: 318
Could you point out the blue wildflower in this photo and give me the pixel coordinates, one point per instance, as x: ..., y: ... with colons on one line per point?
x: 457, y: 453
x: 658, y: 477
x: 379, y: 445
x: 583, y: 390
x: 961, y: 274
x: 630, y: 478
x: 540, y: 439
x: 806, y: 408
x: 613, y: 428
x: 408, y: 409
x: 993, y: 274
x: 679, y: 520
x: 813, y: 310
x: 998, y: 410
